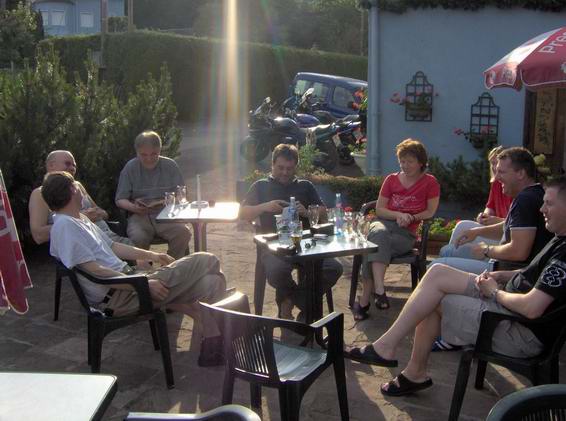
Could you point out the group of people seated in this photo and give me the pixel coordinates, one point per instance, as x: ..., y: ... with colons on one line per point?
x: 522, y: 223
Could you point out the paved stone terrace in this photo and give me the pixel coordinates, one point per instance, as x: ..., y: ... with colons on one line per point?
x: 35, y: 342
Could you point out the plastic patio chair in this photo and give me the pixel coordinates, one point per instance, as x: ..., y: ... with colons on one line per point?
x: 222, y: 413
x: 101, y: 324
x: 540, y: 403
x: 253, y: 355
x: 416, y: 257
x: 60, y: 274
x: 539, y: 370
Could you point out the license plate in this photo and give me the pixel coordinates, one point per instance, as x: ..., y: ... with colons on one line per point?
x: 336, y: 139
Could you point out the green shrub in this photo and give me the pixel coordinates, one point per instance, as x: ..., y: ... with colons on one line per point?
x: 463, y: 182
x: 117, y: 24
x: 40, y: 111
x: 196, y: 71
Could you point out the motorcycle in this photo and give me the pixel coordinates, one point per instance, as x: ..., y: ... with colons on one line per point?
x: 266, y: 132
x: 347, y: 128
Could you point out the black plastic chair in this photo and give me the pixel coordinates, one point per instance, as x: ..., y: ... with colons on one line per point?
x: 101, y: 324
x: 416, y: 257
x: 539, y: 370
x: 260, y: 279
x: 60, y: 274
x: 253, y: 355
x: 222, y: 413
x: 540, y: 403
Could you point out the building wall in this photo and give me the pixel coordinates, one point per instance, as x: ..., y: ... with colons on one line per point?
x: 452, y: 48
x: 81, y: 16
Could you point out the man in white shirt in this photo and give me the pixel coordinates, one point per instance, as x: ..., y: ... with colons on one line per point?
x: 177, y: 284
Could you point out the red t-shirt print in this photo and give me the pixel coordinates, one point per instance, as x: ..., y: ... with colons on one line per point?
x: 412, y: 200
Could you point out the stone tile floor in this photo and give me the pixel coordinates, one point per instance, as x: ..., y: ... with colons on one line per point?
x: 35, y: 342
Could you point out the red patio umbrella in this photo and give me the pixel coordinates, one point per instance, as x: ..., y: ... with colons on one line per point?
x: 14, y: 275
x: 538, y: 63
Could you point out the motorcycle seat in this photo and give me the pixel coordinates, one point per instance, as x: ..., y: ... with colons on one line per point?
x: 323, y: 129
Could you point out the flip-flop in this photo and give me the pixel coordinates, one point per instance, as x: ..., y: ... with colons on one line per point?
x: 440, y: 345
x: 367, y: 355
x: 381, y: 302
x: 405, y: 387
x: 360, y: 312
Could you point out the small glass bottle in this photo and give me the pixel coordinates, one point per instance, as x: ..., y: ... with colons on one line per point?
x: 339, y: 215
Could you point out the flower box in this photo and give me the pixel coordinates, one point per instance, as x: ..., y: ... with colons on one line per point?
x: 360, y: 159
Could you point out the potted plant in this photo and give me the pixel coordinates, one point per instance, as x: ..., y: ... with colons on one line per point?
x: 439, y: 234
x: 417, y: 106
x: 485, y: 137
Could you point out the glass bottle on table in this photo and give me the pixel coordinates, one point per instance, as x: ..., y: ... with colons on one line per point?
x: 339, y: 215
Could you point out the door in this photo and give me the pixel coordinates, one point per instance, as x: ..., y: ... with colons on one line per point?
x: 545, y: 126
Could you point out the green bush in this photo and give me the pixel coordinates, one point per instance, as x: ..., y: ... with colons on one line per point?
x: 463, y: 182
x: 41, y: 111
x: 117, y: 24
x: 195, y: 67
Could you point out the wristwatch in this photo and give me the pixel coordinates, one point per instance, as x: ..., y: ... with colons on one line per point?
x: 486, y: 251
x: 493, y: 295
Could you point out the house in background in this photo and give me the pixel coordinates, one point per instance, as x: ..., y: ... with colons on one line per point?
x: 72, y: 17
x: 452, y: 48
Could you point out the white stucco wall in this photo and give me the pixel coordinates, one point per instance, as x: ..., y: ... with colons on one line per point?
x: 452, y: 48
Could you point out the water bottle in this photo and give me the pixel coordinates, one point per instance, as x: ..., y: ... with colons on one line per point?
x: 294, y: 215
x: 339, y: 215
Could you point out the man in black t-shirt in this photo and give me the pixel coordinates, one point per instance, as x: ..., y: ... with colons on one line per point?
x: 267, y: 198
x: 450, y: 302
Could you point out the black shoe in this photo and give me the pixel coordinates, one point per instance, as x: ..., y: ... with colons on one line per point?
x: 211, y: 352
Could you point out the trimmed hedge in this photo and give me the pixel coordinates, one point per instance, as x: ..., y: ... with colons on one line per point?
x: 401, y: 6
x: 195, y: 67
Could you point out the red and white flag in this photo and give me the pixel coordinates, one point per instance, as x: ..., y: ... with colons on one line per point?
x: 14, y: 275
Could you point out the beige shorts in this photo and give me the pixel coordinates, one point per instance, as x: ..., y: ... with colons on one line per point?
x: 461, y: 316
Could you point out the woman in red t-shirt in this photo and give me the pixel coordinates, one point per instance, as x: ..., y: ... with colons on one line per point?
x: 404, y: 200
x: 495, y: 211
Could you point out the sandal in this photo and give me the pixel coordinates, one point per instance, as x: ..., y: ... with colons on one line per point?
x: 401, y: 386
x: 441, y: 345
x: 380, y: 300
x: 360, y: 312
x: 367, y: 355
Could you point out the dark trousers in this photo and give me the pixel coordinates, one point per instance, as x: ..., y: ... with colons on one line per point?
x: 279, y: 276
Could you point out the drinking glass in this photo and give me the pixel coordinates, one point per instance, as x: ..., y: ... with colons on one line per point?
x: 170, y: 201
x: 363, y: 227
x: 182, y: 195
x: 296, y: 233
x: 348, y: 223
x: 314, y: 214
x: 331, y: 215
x: 283, y: 229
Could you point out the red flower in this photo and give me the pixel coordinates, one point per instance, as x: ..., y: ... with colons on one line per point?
x: 348, y: 209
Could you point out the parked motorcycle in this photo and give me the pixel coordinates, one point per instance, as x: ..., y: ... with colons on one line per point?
x: 347, y: 128
x: 266, y: 132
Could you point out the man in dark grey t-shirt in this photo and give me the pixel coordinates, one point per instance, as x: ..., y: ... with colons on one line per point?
x: 264, y: 200
x: 141, y: 189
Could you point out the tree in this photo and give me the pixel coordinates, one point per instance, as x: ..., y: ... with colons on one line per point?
x: 20, y: 31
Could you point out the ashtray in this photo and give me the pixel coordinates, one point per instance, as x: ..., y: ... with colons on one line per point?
x: 201, y: 204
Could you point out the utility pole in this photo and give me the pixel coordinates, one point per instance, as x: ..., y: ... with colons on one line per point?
x: 103, y: 29
x: 130, y: 15
x: 373, y: 153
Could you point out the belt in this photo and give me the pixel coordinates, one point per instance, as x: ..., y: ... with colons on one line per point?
x: 109, y: 295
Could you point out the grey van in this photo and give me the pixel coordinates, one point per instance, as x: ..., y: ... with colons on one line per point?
x: 336, y: 92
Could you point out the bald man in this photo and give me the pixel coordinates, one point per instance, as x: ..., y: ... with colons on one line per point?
x: 40, y: 216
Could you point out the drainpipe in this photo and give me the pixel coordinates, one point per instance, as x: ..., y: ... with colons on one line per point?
x: 373, y: 148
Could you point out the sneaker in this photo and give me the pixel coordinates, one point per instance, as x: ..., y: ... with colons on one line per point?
x: 211, y: 352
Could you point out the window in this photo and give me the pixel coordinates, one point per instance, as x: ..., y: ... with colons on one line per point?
x: 320, y: 90
x: 87, y: 20
x: 45, y: 17
x: 58, y: 18
x: 342, y: 97
x: 301, y: 86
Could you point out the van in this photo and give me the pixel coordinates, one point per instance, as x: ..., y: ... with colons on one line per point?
x: 336, y: 92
